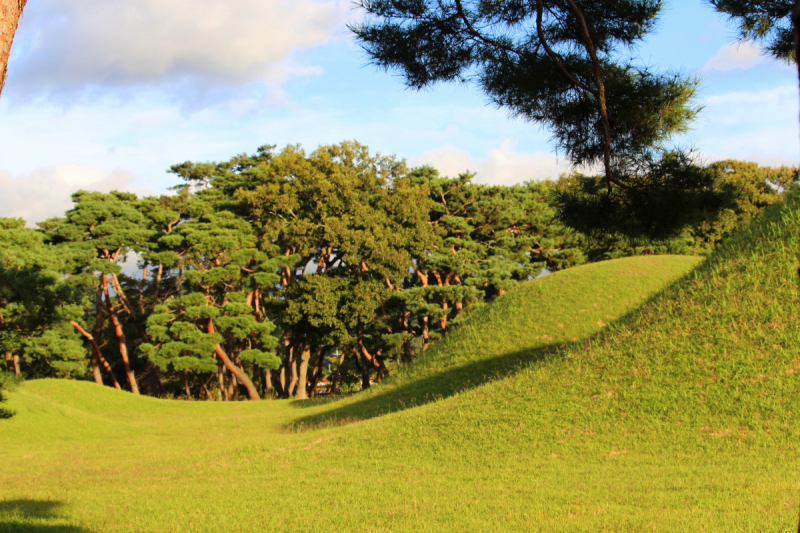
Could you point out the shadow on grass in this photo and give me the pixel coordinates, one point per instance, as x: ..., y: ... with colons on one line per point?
x: 387, y: 398
x: 16, y: 516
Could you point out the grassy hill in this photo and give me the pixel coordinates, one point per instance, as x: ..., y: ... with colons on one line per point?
x: 594, y: 399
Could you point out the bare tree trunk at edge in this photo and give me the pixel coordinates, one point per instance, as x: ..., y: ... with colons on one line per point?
x: 10, y: 13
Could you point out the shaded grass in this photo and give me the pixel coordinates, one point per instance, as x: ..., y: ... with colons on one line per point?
x: 676, y: 414
x: 530, y: 323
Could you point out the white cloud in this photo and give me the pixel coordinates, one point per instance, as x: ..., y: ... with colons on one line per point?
x: 759, y: 126
x: 45, y: 192
x: 738, y: 55
x: 79, y: 44
x: 502, y: 166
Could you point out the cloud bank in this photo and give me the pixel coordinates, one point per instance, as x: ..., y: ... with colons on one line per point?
x: 45, y: 192
x: 738, y: 55
x: 502, y: 166
x: 79, y: 44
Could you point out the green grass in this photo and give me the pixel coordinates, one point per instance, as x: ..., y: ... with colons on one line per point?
x: 594, y: 399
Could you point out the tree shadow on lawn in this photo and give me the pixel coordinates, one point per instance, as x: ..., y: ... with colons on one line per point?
x: 14, y: 514
x: 385, y: 399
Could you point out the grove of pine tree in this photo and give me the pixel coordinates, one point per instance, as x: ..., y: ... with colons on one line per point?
x: 284, y: 273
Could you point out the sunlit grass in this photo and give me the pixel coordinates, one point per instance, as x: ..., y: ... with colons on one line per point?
x: 588, y: 400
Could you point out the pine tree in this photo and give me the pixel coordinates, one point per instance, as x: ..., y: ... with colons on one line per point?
x: 219, y: 316
x: 37, y: 303
x: 108, y: 226
x: 560, y: 63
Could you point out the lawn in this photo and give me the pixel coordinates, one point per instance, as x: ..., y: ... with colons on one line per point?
x: 643, y: 394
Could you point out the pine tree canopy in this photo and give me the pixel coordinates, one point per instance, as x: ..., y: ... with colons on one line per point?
x: 561, y: 64
x: 766, y: 21
x: 263, y: 267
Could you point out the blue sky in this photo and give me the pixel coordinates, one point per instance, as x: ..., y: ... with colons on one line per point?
x: 109, y: 95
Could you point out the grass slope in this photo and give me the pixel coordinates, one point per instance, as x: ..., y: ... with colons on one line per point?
x: 674, y: 415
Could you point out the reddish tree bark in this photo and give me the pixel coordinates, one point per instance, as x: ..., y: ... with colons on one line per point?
x: 123, y: 343
x: 232, y: 368
x: 141, y: 289
x: 10, y: 13
x: 97, y: 356
x: 156, y: 292
x: 12, y: 361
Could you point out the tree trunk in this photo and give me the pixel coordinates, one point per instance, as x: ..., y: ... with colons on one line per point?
x: 233, y: 369
x: 317, y: 372
x: 268, y: 386
x: 282, y: 379
x: 408, y: 351
x: 206, y: 391
x: 98, y: 331
x: 12, y: 363
x: 459, y: 304
x: 305, y: 357
x: 155, y: 378
x: 335, y: 382
x: 128, y: 306
x: 186, y: 384
x: 257, y: 378
x: 157, y: 290
x: 426, y: 338
x: 364, y: 370
x: 221, y: 382
x: 98, y: 377
x: 233, y: 388
x: 123, y: 343
x: 382, y: 371
x: 443, y: 321
x: 10, y: 11
x: 291, y: 365
x: 141, y: 289
x: 97, y: 356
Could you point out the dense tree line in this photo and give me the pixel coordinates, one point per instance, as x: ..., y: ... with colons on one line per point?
x: 271, y: 273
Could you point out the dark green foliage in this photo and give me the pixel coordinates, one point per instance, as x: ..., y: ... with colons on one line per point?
x: 754, y: 189
x: 667, y: 196
x: 556, y: 63
x: 36, y: 301
x: 559, y: 63
x: 499, y: 46
x: 261, y: 267
x: 737, y: 191
x: 5, y: 379
x: 767, y: 21
x: 223, y: 271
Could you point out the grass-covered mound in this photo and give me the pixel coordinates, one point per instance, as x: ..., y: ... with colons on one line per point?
x: 535, y: 319
x: 677, y: 416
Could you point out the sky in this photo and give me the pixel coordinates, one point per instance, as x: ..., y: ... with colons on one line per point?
x: 108, y: 95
